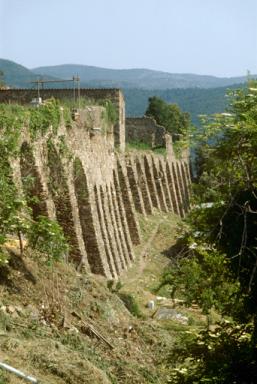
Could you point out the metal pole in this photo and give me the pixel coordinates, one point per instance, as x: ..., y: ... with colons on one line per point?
x: 18, y: 373
x: 78, y: 80
x: 76, y: 85
x: 38, y: 94
x: 74, y: 90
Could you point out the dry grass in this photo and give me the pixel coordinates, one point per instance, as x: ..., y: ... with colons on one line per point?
x: 159, y: 232
x: 49, y: 336
x: 48, y: 339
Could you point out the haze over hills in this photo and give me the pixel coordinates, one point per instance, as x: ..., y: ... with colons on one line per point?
x: 135, y: 78
x: 196, y: 101
x: 193, y: 93
x: 16, y: 75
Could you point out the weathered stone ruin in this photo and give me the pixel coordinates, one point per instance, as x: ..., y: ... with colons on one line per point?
x: 145, y: 130
x: 86, y: 180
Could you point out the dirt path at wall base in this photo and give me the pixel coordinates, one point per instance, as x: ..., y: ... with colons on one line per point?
x: 159, y: 233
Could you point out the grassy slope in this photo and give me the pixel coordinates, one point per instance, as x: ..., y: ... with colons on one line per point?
x: 45, y: 338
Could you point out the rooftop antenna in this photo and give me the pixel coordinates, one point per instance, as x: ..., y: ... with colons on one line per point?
x: 38, y: 92
x: 75, y: 80
x: 78, y: 84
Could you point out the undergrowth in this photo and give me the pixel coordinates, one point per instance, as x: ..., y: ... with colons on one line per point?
x: 141, y: 146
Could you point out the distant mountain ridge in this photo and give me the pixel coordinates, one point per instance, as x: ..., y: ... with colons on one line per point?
x: 196, y: 94
x: 18, y: 76
x: 136, y: 78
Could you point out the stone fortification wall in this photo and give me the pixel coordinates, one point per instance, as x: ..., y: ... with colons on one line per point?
x: 24, y: 96
x: 77, y: 181
x: 145, y: 130
x: 94, y: 191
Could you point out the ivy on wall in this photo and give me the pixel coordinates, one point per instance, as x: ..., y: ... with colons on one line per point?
x: 15, y: 213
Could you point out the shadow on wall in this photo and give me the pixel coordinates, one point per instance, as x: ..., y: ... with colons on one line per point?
x: 31, y: 182
x: 60, y: 194
x: 86, y: 218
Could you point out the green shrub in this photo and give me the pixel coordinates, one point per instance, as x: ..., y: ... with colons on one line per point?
x: 130, y: 303
x: 139, y: 146
x: 47, y: 236
x: 202, y: 275
x: 114, y: 288
x: 46, y: 115
x: 111, y: 114
x: 4, y: 258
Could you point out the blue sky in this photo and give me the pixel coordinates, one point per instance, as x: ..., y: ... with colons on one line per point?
x: 216, y: 37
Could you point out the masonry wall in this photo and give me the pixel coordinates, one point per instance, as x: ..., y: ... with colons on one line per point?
x: 95, y: 192
x: 24, y: 96
x: 145, y: 130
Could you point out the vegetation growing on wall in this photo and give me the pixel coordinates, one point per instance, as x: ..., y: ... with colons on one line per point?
x: 42, y: 118
x: 173, y: 119
x: 169, y: 116
x: 110, y: 113
x: 140, y: 146
x: 12, y: 208
x: 11, y: 205
x: 15, y: 213
x: 16, y: 210
x: 47, y: 236
x: 39, y: 120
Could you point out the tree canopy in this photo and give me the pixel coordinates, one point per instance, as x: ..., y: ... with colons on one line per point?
x: 2, y: 83
x: 217, y: 265
x: 169, y: 116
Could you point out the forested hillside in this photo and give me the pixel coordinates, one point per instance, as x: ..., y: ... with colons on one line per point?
x: 193, y: 100
x: 138, y: 85
x: 136, y: 77
x: 16, y: 75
